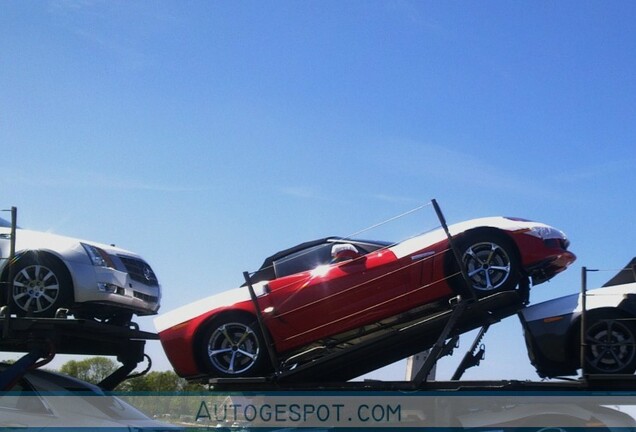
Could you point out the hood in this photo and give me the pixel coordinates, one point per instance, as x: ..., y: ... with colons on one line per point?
x: 208, y: 304
x: 572, y: 304
x: 30, y: 240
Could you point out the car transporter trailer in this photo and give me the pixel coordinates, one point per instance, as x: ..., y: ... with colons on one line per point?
x: 41, y: 338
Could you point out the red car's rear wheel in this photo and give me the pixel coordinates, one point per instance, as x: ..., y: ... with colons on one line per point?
x: 232, y: 346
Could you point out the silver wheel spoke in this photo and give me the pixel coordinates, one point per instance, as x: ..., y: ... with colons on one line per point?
x: 247, y: 354
x: 48, y: 276
x: 233, y: 348
x: 474, y: 256
x: 491, y: 254
x: 36, y: 288
x: 474, y: 272
x: 48, y: 298
x: 28, y: 303
x: 225, y: 334
x: 488, y: 281
x: 487, y: 265
x: 244, y: 336
x: 232, y: 360
x: 219, y: 351
x: 503, y: 269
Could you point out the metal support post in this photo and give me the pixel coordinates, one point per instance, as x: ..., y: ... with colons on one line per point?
x: 261, y: 324
x: 583, y: 334
x: 13, y: 373
x: 6, y: 295
x: 473, y: 355
x: 440, y: 345
x: 451, y: 244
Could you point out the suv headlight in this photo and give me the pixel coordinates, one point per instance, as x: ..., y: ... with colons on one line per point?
x: 98, y: 256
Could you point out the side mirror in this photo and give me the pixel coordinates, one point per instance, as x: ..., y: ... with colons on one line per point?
x: 344, y: 252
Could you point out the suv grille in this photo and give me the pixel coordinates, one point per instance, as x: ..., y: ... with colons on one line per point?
x: 139, y: 271
x: 145, y: 297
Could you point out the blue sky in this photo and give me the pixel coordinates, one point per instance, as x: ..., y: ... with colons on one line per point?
x: 208, y: 135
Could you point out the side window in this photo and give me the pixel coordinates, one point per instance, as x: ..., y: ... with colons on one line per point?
x: 304, y: 260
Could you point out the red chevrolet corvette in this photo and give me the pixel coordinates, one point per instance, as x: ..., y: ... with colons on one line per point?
x: 330, y: 289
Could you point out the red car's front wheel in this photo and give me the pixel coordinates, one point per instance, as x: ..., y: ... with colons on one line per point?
x: 491, y: 262
x: 232, y: 346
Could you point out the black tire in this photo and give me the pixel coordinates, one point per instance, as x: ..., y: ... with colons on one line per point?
x: 39, y: 287
x: 611, y: 343
x: 491, y: 262
x: 232, y: 346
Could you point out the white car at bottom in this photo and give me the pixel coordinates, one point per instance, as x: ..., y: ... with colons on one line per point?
x: 552, y: 329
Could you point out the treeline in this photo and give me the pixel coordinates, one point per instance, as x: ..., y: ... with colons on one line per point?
x: 95, y: 369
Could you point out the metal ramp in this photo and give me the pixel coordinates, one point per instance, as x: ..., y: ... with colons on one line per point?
x: 438, y: 332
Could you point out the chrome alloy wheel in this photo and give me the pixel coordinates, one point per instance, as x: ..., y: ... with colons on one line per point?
x: 233, y: 348
x: 488, y: 266
x: 36, y: 288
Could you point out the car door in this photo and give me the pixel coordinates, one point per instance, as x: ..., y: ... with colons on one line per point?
x: 325, y: 299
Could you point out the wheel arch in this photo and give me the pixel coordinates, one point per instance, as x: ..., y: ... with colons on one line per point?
x: 574, y: 334
x: 200, y: 332
x: 35, y: 255
x: 450, y: 263
x: 497, y: 232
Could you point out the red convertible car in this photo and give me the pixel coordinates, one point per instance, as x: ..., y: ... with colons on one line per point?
x: 318, y: 291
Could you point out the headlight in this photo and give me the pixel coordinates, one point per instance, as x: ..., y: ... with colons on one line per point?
x: 545, y: 232
x: 98, y: 256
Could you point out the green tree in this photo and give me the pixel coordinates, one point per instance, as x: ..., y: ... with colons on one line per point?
x: 92, y: 369
x: 166, y: 381
x: 95, y: 369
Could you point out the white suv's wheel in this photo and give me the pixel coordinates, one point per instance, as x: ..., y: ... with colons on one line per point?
x: 39, y: 287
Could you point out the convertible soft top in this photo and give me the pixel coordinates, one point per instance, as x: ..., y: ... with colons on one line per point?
x: 266, y: 271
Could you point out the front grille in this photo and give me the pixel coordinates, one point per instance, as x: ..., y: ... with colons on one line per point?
x: 145, y: 297
x: 139, y: 271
